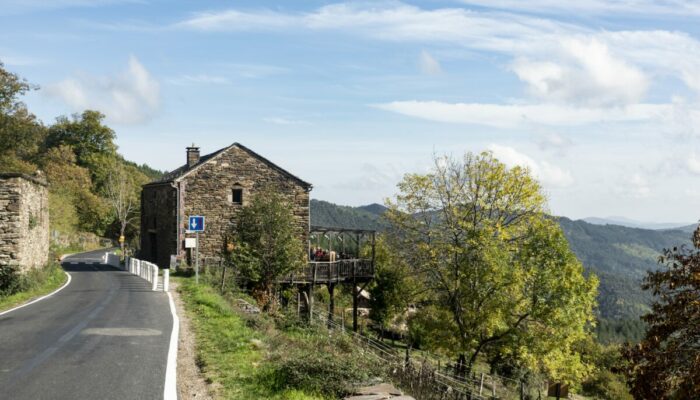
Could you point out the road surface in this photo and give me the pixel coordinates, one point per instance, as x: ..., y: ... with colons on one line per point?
x: 104, y: 336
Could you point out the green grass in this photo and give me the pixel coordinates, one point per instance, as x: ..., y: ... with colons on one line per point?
x: 37, y: 282
x: 231, y: 354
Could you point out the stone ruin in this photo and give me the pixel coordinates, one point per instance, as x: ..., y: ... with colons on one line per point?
x: 24, y: 220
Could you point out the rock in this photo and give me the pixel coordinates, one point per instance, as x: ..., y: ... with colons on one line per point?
x: 370, y: 397
x: 382, y: 388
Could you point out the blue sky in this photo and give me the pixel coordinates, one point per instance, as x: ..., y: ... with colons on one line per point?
x: 598, y: 98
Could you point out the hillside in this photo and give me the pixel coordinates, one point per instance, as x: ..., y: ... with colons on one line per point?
x: 324, y: 213
x: 619, y: 255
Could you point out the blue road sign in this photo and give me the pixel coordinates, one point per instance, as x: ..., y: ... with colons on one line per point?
x: 196, y: 223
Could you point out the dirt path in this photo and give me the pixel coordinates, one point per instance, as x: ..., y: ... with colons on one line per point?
x: 190, y: 382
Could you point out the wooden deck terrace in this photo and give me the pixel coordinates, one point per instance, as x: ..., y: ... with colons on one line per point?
x: 326, y: 272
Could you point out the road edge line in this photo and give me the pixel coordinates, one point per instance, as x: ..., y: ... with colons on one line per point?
x: 40, y: 298
x: 170, y: 389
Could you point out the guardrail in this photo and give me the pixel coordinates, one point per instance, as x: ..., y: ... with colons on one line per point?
x: 142, y: 268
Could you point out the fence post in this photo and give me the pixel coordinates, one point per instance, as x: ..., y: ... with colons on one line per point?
x: 493, y: 386
x: 481, y: 384
x: 155, y: 277
x: 223, y: 277
x: 166, y: 279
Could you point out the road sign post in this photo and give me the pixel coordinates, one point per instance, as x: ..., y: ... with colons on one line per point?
x: 196, y: 225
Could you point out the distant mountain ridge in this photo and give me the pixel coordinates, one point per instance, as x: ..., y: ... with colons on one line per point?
x: 619, y: 255
x: 630, y: 223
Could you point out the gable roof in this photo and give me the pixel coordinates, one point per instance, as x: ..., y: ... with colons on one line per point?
x: 184, y: 170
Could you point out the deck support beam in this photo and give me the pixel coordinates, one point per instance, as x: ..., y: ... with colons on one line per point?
x: 331, y: 304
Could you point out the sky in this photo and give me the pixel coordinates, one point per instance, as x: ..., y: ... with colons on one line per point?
x: 600, y: 99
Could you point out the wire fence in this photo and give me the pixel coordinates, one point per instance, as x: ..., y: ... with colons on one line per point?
x: 424, y: 379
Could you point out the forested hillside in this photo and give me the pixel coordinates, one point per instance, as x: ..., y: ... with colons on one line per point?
x: 619, y: 255
x: 78, y: 157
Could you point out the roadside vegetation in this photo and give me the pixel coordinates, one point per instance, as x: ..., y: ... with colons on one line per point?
x: 16, y: 288
x: 271, y: 356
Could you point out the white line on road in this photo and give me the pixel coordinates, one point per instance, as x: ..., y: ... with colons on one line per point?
x: 170, y: 391
x: 40, y: 298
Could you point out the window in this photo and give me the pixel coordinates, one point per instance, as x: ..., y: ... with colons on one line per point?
x: 237, y: 196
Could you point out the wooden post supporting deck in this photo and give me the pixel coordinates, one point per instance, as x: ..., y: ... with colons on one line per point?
x: 331, y: 304
x: 355, y: 295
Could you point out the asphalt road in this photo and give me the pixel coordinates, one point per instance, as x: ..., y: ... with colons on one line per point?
x: 104, y: 336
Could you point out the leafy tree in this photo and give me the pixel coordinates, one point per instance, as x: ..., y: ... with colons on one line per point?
x: 90, y: 139
x: 497, y: 273
x: 122, y: 198
x: 666, y: 364
x: 391, y: 287
x: 19, y: 129
x: 266, y: 243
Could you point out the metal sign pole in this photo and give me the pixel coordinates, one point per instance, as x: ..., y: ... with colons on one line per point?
x: 196, y: 259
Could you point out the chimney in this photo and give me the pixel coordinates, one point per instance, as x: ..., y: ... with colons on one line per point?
x: 192, y: 156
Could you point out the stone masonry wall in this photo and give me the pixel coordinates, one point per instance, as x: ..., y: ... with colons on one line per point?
x: 158, y: 224
x: 209, y: 193
x: 24, y: 221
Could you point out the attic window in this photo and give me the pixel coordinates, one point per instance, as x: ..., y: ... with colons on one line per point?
x: 237, y: 195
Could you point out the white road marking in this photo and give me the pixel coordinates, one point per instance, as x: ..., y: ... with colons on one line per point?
x: 170, y: 391
x: 40, y: 298
x: 121, y: 332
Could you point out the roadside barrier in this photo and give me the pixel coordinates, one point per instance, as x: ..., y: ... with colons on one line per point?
x: 142, y: 268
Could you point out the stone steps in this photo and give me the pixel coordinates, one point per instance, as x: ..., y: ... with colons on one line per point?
x: 379, y: 391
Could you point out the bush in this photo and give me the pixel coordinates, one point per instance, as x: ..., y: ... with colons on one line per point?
x: 11, y: 280
x: 318, y: 363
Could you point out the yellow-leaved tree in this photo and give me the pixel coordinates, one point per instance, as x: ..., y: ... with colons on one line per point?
x: 497, y: 274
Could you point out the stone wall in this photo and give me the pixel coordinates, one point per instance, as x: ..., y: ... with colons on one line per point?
x: 24, y: 220
x: 158, y: 223
x: 209, y: 190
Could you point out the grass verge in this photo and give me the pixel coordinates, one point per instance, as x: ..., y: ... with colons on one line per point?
x: 231, y: 353
x: 36, y: 283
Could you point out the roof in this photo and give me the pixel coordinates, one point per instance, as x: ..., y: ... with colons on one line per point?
x: 180, y: 172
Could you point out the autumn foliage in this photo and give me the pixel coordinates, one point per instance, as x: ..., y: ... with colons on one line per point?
x: 666, y: 364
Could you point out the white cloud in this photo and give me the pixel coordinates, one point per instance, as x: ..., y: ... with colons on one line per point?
x: 637, y: 186
x: 519, y: 115
x: 394, y: 21
x: 553, y: 140
x: 549, y: 174
x: 548, y: 52
x: 604, y: 7
x: 585, y: 73
x: 428, y: 64
x: 692, y: 164
x: 130, y: 97
x: 233, y: 20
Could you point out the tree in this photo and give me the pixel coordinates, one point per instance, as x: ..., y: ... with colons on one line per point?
x: 122, y: 198
x: 497, y: 272
x: 391, y: 288
x: 20, y: 132
x: 90, y: 139
x: 266, y: 243
x: 666, y: 363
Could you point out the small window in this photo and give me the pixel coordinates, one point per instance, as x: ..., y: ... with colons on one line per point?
x: 237, y: 196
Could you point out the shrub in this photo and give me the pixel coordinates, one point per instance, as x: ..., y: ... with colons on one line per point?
x: 318, y: 363
x: 11, y: 280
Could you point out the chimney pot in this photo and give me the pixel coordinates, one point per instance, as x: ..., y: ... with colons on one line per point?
x: 192, y: 155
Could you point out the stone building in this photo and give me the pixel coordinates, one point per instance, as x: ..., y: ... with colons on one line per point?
x: 215, y: 186
x: 24, y: 220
